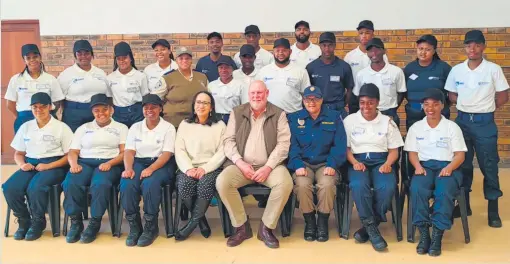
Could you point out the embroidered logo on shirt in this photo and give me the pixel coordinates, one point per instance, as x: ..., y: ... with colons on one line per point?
x: 26, y: 139
x: 301, y: 122
x: 22, y: 89
x: 483, y: 83
x: 420, y: 138
x: 328, y: 123
x: 457, y: 84
x: 433, y: 78
x: 267, y: 79
x: 354, y: 64
x: 138, y: 140
x: 75, y: 80
x: 89, y: 131
x: 315, y: 76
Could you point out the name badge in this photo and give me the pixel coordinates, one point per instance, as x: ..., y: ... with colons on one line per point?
x: 413, y: 77
x: 132, y: 89
x: 113, y: 131
x: 387, y: 82
x: 292, y: 82
x: 334, y: 78
x: 442, y: 144
x: 358, y: 131
x: 42, y: 86
x: 48, y: 138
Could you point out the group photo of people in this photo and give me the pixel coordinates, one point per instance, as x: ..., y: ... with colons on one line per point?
x: 298, y: 120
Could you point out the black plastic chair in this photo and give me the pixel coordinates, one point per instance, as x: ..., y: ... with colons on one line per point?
x: 113, y: 210
x: 184, y: 212
x: 408, y: 171
x: 53, y: 211
x: 166, y: 210
x: 254, y: 189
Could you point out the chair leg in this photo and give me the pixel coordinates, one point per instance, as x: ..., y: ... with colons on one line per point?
x: 291, y: 210
x: 347, y: 213
x: 166, y: 208
x: 397, y: 219
x: 113, y: 209
x: 7, y: 221
x: 64, y: 227
x: 178, y: 211
x: 222, y: 216
x: 86, y: 213
x: 54, y: 209
x: 411, y: 229
x: 463, y: 215
x: 336, y: 209
x: 118, y: 224
x: 285, y: 217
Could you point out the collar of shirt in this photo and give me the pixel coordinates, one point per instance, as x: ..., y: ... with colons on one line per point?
x: 167, y: 68
x: 80, y: 70
x: 252, y: 74
x: 130, y: 73
x: 437, y: 128
x: 96, y: 126
x: 146, y: 129
x: 480, y: 67
x: 298, y: 49
x: 49, y: 124
x: 363, y: 120
x: 28, y: 77
x: 190, y: 77
x: 383, y: 70
x: 289, y: 66
x: 333, y: 64
x: 260, y: 116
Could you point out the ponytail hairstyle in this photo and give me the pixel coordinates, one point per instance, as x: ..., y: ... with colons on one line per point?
x: 115, y: 66
x: 432, y: 40
x: 172, y: 58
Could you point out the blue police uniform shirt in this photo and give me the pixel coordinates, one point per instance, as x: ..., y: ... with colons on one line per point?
x: 332, y: 79
x: 419, y: 79
x: 208, y: 67
x: 322, y: 140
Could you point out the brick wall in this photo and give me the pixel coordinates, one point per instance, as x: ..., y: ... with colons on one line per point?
x: 57, y: 53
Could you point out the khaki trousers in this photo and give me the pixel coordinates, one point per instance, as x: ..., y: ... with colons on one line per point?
x: 231, y: 179
x: 326, y: 189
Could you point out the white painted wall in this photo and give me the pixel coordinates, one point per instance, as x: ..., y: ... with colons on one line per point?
x: 72, y: 17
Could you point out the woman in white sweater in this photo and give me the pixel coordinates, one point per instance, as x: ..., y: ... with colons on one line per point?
x: 199, y: 155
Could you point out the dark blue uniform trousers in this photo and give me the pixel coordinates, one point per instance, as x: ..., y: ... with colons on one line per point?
x: 35, y: 184
x: 372, y: 204
x: 223, y: 117
x: 131, y: 190
x: 128, y: 115
x: 22, y: 118
x: 76, y: 114
x: 443, y: 189
x: 100, y: 183
x: 481, y: 136
x: 339, y: 106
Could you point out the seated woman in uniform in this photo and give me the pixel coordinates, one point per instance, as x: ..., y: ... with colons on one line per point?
x: 95, y: 158
x: 41, y: 154
x: 128, y: 85
x: 373, y: 140
x: 436, y: 149
x: 148, y: 166
x: 199, y: 155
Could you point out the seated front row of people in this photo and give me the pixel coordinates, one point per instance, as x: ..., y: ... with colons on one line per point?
x: 256, y: 142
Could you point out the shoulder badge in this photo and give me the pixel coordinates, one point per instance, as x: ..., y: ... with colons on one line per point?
x: 301, y: 122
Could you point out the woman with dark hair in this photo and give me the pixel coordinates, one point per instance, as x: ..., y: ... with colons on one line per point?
x: 128, y: 86
x: 31, y: 80
x: 165, y: 63
x: 199, y: 155
x: 149, y: 164
x: 427, y: 71
x: 79, y: 83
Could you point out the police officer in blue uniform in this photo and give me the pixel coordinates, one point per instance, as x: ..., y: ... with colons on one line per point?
x: 317, y: 151
x: 427, y: 71
x: 208, y: 64
x: 436, y: 149
x: 479, y: 87
x: 332, y: 75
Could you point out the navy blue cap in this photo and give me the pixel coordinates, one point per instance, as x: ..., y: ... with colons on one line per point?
x: 82, y: 44
x: 312, y: 91
x: 369, y: 90
x: 435, y: 94
x: 327, y: 37
x: 224, y: 60
x: 365, y: 24
x: 247, y: 49
x: 121, y: 49
x: 152, y: 99
x: 27, y: 48
x: 282, y: 42
x: 375, y: 42
x: 40, y: 98
x: 252, y: 29
x: 474, y: 36
x: 302, y: 23
x: 162, y: 42
x: 214, y: 35
x: 430, y: 39
x: 100, y: 99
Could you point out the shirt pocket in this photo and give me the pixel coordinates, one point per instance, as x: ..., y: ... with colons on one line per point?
x: 328, y: 132
x: 133, y: 87
x: 304, y: 138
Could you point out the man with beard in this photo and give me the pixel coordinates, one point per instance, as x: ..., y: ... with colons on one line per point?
x: 286, y: 81
x: 303, y: 51
x: 264, y: 57
x: 247, y: 73
x: 208, y: 64
x: 332, y: 75
x: 358, y: 58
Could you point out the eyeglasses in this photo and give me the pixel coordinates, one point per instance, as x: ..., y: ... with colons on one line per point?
x: 204, y: 103
x: 311, y: 100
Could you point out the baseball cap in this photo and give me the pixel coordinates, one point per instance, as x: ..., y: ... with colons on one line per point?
x: 327, y: 37
x: 430, y: 39
x: 40, y: 98
x: 282, y: 42
x: 162, y: 42
x: 121, y: 49
x: 27, y: 48
x: 369, y: 90
x: 247, y: 49
x: 183, y: 50
x: 99, y: 99
x: 224, y: 60
x: 214, y: 35
x: 312, y: 91
x: 474, y: 36
x: 302, y: 23
x: 252, y: 29
x: 152, y: 99
x: 435, y: 94
x: 365, y: 24
x: 82, y: 44
x: 375, y: 42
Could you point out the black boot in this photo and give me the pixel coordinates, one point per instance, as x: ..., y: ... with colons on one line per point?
x: 322, y: 227
x: 424, y: 244
x: 135, y: 229
x: 310, y: 226
x: 456, y: 210
x: 24, y: 224
x: 74, y: 233
x: 361, y: 236
x: 150, y: 230
x: 378, y: 242
x: 435, y: 245
x: 36, y: 228
x: 494, y: 220
x: 90, y: 234
x: 205, y: 230
x: 198, y: 213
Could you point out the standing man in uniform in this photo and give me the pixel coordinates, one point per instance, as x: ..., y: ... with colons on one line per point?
x: 247, y: 73
x: 286, y: 81
x: 332, y: 75
x: 358, y: 58
x: 387, y: 77
x: 479, y: 87
x: 264, y: 57
x: 208, y: 64
x: 303, y: 51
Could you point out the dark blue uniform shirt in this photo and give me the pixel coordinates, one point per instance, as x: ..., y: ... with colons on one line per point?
x: 322, y: 140
x: 419, y: 79
x: 208, y: 67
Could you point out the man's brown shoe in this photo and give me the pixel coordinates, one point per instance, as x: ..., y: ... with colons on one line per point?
x: 242, y: 233
x: 266, y: 235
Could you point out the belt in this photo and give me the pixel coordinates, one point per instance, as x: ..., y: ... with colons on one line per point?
x: 415, y: 105
x: 475, y: 117
x: 372, y: 155
x: 129, y: 108
x: 76, y: 105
